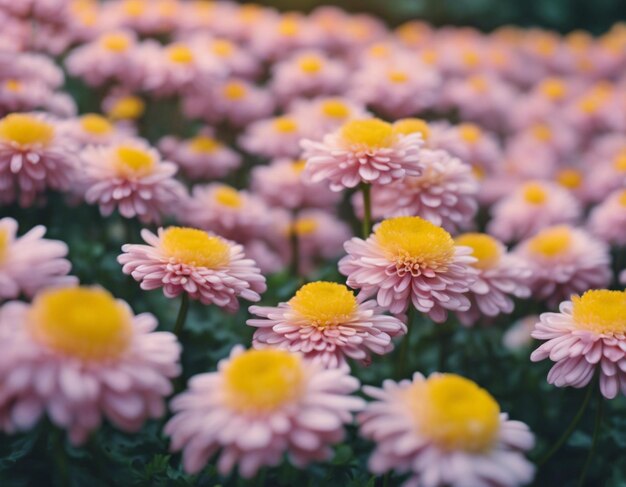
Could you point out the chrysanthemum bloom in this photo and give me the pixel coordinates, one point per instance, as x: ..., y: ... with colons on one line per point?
x: 587, y: 334
x: 79, y: 355
x: 120, y: 105
x: 564, y: 261
x: 325, y: 114
x: 200, y: 157
x: 276, y: 37
x: 259, y: 405
x: 93, y: 129
x: 499, y: 275
x: 532, y: 206
x: 131, y: 177
x: 410, y: 260
x: 274, y: 137
x: 325, y: 322
x: 238, y: 60
x: 518, y: 336
x: 365, y: 150
x: 545, y: 98
x: 30, y: 262
x: 608, y: 219
x: 445, y: 430
x: 33, y: 157
x: 608, y: 174
x: 281, y: 184
x: 444, y: 194
x: 18, y: 95
x: 180, y: 260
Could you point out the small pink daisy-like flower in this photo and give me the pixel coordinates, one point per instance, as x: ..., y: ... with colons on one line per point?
x: 34, y: 156
x: 500, y: 275
x: 30, y: 262
x: 410, y: 260
x: 445, y: 430
x: 587, y: 334
x: 93, y: 129
x: 186, y: 260
x: 259, y: 405
x: 325, y: 322
x: 121, y: 105
x: 532, y: 206
x: 608, y: 174
x: 564, y: 261
x: 365, y: 150
x: 608, y: 219
x: 274, y: 137
x: 131, y: 177
x: 79, y: 355
x: 325, y: 114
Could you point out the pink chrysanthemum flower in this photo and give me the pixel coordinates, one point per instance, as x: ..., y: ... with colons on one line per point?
x: 500, y: 275
x: 365, y: 150
x: 93, y: 129
x: 121, y: 105
x: 238, y: 60
x: 34, y: 156
x: 274, y: 137
x: 323, y: 115
x: 518, y: 336
x: 608, y: 219
x: 564, y: 261
x: 259, y: 405
x: 80, y: 355
x: 587, y: 334
x: 186, y: 260
x: 325, y: 322
x: 409, y: 260
x: 30, y: 262
x: 608, y: 174
x: 131, y: 177
x: 532, y: 206
x: 445, y: 430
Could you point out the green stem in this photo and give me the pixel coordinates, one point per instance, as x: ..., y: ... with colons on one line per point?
x: 572, y: 426
x: 594, y: 440
x: 60, y: 457
x: 366, y: 189
x: 182, y: 315
x: 386, y: 479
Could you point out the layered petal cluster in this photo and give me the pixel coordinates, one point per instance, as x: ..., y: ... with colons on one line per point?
x: 608, y: 220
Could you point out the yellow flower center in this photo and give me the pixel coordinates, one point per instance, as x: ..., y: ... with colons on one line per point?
x: 470, y: 133
x: 25, y: 130
x: 622, y: 198
x: 408, y: 126
x: 285, y: 125
x: 429, y: 56
x: 398, y: 76
x: 127, y: 108
x: 600, y: 311
x: 235, y: 90
x: 479, y: 84
x: 115, y: 42
x: 412, y: 241
x: 569, y: 178
x: 324, y: 303
x: 289, y: 27
x: 95, y: 124
x: 180, y: 54
x: 222, y: 48
x: 13, y: 85
x: 455, y: 413
x: 263, y: 380
x: 551, y: 241
x: 553, y: 88
x: 370, y: 134
x: 134, y: 8
x: 478, y: 172
x: 471, y: 58
x: 335, y: 109
x: 620, y: 162
x: 590, y: 104
x: 4, y: 244
x: 298, y: 166
x: 542, y: 132
x: 203, y: 144
x: 534, y: 193
x: 195, y: 247
x: 310, y: 64
x: 227, y: 196
x: 485, y: 248
x: 305, y: 226
x: 87, y: 323
x: 131, y: 161
x: 379, y: 50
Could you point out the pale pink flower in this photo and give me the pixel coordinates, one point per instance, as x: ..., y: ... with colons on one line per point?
x: 529, y: 208
x: 180, y: 260
x: 93, y: 129
x: 323, y: 115
x: 80, y: 356
x: 325, y: 322
x: 130, y: 176
x: 34, y: 156
x: 518, y: 336
x: 273, y: 137
x: 608, y: 220
x: 276, y: 37
x: 154, y: 17
x: 445, y: 430
x: 259, y: 405
x: 38, y: 10
x: 608, y: 173
x: 30, y: 262
x: 362, y: 150
x: 409, y: 260
x: 564, y: 261
x: 18, y: 95
x: 237, y: 60
x: 585, y: 336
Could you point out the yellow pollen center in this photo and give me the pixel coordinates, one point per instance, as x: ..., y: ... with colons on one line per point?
x: 479, y: 84
x: 25, y: 130
x: 600, y: 311
x: 379, y: 50
x: 542, y: 132
x: 133, y: 161
x: 622, y: 198
x: 235, y: 90
x: 335, y: 109
x: 227, y: 196
x: 4, y: 244
x: 195, y: 247
x: 289, y: 27
x: 551, y: 241
x: 180, y: 54
x: 305, y: 226
x: 134, y: 8
x: 570, y: 178
x: 370, y: 134
x: 553, y: 88
x: 455, y: 413
x: 620, y: 162
x: 310, y: 64
x: 263, y: 380
x: 13, y: 85
x: 285, y: 125
x: 397, y: 76
x: 589, y: 104
x: 95, y: 124
x: 470, y: 133
x: 222, y: 48
x: 408, y: 126
x: 324, y: 303
x: 412, y: 241
x: 485, y: 248
x: 127, y: 108
x: 534, y: 193
x: 429, y: 56
x: 202, y: 144
x: 87, y: 323
x: 115, y: 42
x: 298, y: 166
x: 471, y: 58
